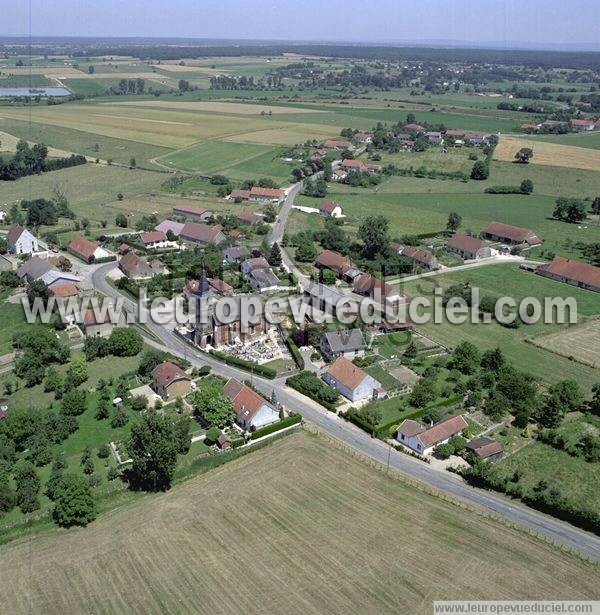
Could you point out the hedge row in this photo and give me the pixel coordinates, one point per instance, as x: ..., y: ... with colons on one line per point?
x: 106, y: 259
x: 251, y: 366
x: 293, y: 382
x: 288, y: 421
x: 298, y: 359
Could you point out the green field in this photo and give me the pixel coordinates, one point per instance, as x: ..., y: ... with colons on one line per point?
x: 323, y: 512
x: 509, y: 280
x: 12, y: 321
x: 590, y: 140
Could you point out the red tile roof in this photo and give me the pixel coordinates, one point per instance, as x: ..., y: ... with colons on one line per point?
x: 485, y: 447
x: 346, y: 373
x: 572, y: 270
x: 337, y: 144
x: 513, y: 233
x: 369, y: 285
x: 353, y: 164
x: 270, y: 193
x: 465, y: 243
x: 65, y: 290
x: 248, y: 217
x: 334, y: 261
x: 14, y: 233
x: 83, y: 247
x: 90, y: 318
x: 220, y: 286
x: 421, y: 256
x: 246, y: 402
x: 582, y: 122
x: 443, y: 430
x: 202, y: 233
x: 242, y: 194
x: 328, y: 206
x: 184, y: 209
x: 166, y: 373
x: 152, y: 237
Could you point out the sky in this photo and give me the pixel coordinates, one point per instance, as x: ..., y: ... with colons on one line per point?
x: 534, y: 22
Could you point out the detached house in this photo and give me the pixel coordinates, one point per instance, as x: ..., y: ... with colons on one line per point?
x: 136, y: 267
x: 153, y: 239
x: 235, y: 254
x: 21, y: 241
x: 330, y: 209
x: 364, y: 137
x: 170, y: 225
x: 170, y: 381
x: 351, y: 381
x: 348, y: 343
x: 485, y: 448
x: 94, y: 324
x: 423, y: 440
x: 337, y: 144
x: 249, y: 218
x: 512, y: 235
x: 369, y: 286
x: 582, y: 125
x: 470, y: 248
x: 434, y: 138
x: 251, y: 410
x: 259, y: 274
x: 86, y: 250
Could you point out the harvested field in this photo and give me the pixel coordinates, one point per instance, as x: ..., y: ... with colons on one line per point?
x: 300, y: 526
x: 581, y: 342
x: 549, y: 154
x: 216, y: 107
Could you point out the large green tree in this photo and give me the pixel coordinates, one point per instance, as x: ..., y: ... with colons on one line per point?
x: 211, y: 403
x: 374, y: 234
x: 73, y: 501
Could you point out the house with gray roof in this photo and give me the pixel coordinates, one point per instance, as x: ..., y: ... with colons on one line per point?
x: 347, y: 343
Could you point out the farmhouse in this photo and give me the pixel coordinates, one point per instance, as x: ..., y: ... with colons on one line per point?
x: 434, y: 138
x: 244, y: 195
x: 337, y: 144
x: 572, y: 272
x: 249, y: 218
x: 342, y: 266
x: 351, y: 381
x: 452, y: 133
x: 364, y: 137
x: 476, y: 138
x: 202, y: 234
x: 348, y: 343
x: 170, y: 381
x: 506, y: 233
x: 251, y: 410
x: 192, y: 212
x: 414, y: 129
x: 369, y: 286
x: 153, y: 239
x: 235, y: 254
x: 469, y: 248
x: 423, y: 440
x: 86, y: 250
x: 136, y: 267
x: 423, y: 258
x: 351, y: 164
x: 170, y: 225
x: 21, y: 241
x: 582, y: 125
x: 96, y: 323
x: 258, y: 273
x: 485, y: 448
x: 65, y: 290
x: 330, y: 209
x: 265, y: 195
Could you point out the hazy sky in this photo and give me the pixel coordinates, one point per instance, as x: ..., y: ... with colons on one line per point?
x: 531, y: 21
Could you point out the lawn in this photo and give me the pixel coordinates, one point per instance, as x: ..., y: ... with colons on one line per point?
x: 576, y: 478
x: 12, y: 321
x: 580, y: 139
x: 509, y: 280
x: 327, y: 508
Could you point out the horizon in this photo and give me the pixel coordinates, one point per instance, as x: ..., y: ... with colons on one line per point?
x: 510, y: 25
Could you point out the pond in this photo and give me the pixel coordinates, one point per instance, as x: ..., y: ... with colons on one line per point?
x: 42, y: 91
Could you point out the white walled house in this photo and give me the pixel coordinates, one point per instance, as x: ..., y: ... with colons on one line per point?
x: 351, y: 381
x: 252, y: 411
x: 21, y: 241
x: 330, y: 209
x: 423, y: 439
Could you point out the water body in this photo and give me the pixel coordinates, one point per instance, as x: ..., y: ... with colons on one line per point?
x: 42, y: 91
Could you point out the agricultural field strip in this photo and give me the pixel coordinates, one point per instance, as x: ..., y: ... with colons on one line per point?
x: 581, y: 342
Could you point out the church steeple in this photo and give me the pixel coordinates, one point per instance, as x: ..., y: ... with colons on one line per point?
x: 203, y: 286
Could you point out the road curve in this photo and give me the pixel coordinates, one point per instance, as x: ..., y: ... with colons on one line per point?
x: 545, y: 526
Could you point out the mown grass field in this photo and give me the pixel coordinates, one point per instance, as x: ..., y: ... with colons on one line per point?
x: 549, y: 154
x: 286, y: 529
x: 579, y: 139
x: 509, y: 280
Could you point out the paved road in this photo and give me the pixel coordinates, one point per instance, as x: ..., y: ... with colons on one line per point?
x: 544, y: 525
x: 279, y: 226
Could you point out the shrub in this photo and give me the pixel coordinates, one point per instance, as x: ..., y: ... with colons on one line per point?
x: 269, y: 429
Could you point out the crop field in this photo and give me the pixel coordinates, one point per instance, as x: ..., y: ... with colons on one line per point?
x: 581, y: 342
x: 229, y: 108
x: 549, y: 154
x: 315, y: 543
x: 509, y: 280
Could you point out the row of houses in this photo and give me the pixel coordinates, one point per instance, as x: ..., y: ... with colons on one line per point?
x: 575, y: 124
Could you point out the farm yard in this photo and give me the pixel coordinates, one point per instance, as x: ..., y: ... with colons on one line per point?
x: 315, y: 507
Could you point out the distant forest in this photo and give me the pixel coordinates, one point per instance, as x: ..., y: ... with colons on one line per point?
x: 146, y: 49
